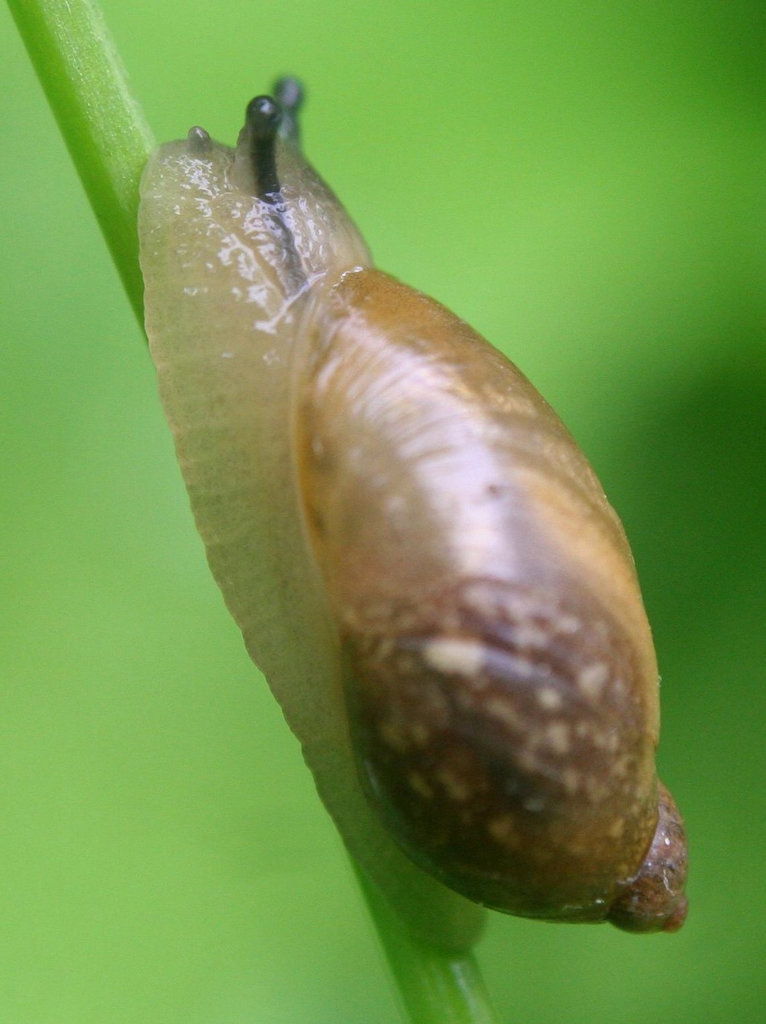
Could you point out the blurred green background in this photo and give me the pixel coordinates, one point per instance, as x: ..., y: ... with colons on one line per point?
x: 584, y: 183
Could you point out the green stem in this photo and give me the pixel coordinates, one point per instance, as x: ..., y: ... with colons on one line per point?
x: 103, y: 126
x: 109, y: 141
x: 436, y: 986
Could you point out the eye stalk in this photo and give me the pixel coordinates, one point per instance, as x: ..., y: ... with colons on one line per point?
x: 199, y: 141
x: 262, y: 120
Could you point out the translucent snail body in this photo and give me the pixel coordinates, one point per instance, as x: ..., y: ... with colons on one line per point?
x: 419, y: 556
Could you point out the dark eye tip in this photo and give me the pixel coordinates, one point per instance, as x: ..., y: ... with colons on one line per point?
x: 289, y: 92
x: 263, y: 116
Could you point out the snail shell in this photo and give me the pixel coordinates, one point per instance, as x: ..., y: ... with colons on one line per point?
x: 419, y: 556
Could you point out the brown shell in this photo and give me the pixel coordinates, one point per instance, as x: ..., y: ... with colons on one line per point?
x: 500, y: 675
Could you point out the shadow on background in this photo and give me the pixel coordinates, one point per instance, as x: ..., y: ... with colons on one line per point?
x: 697, y: 461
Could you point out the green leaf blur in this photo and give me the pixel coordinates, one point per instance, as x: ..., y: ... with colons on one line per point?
x: 583, y: 184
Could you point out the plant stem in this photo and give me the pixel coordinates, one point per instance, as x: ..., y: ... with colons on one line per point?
x: 109, y: 141
x: 103, y: 126
x: 436, y: 986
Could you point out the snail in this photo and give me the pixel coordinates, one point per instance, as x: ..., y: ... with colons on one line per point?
x: 421, y: 560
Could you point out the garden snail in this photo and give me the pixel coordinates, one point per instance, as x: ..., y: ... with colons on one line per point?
x: 420, y: 558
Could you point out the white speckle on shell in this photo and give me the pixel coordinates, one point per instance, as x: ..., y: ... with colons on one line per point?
x: 393, y: 736
x: 503, y: 711
x: 419, y: 785
x: 530, y: 636
x: 534, y: 804
x: 570, y: 780
x: 420, y: 734
x: 548, y: 698
x: 462, y: 657
x: 454, y: 786
x: 558, y: 737
x: 568, y: 624
x: 592, y: 679
x: 503, y: 831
